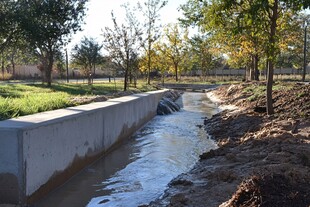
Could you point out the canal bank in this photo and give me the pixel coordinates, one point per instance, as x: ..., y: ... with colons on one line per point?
x: 41, y: 151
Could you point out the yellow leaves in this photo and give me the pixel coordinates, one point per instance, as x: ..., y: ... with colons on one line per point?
x: 247, y: 47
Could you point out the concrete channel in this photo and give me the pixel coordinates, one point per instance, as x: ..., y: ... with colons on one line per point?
x: 40, y: 152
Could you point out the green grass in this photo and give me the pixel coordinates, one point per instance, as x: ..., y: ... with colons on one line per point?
x: 258, y: 91
x: 21, y: 99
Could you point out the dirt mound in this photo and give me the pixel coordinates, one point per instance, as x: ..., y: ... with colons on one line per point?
x: 78, y: 100
x: 270, y: 191
x: 290, y: 100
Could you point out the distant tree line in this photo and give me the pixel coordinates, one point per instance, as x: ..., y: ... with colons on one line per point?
x: 38, y: 30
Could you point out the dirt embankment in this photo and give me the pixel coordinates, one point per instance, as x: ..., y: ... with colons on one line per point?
x: 261, y: 160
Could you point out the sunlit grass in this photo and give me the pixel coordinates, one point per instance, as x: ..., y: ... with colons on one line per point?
x: 21, y: 99
x: 32, y: 103
x: 259, y: 91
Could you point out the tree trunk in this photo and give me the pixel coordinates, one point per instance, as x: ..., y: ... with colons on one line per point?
x: 93, y: 76
x: 256, y: 71
x: 126, y: 71
x: 269, y: 89
x: 130, y: 76
x: 135, y: 81
x: 89, y: 74
x: 305, y: 56
x: 125, y: 80
x: 49, y: 69
x: 248, y: 69
x: 149, y: 60
x: 176, y: 72
x: 163, y: 78
x: 13, y: 64
x: 2, y: 68
x: 252, y: 69
x: 270, y: 56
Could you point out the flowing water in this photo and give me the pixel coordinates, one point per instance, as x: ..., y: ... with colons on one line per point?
x: 139, y: 170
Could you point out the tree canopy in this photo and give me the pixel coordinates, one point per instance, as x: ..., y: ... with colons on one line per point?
x: 87, y: 55
x: 122, y: 44
x: 45, y: 25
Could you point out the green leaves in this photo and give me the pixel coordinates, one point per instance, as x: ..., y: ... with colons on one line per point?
x: 47, y: 25
x: 50, y: 20
x: 87, y: 54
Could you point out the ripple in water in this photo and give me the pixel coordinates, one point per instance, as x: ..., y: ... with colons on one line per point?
x: 139, y: 171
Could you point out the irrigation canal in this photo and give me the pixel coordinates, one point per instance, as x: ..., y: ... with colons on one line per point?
x: 139, y: 170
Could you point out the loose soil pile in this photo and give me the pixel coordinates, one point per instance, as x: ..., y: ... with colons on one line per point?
x: 261, y: 160
x: 79, y: 100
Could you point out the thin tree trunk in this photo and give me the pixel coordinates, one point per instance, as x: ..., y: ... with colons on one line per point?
x: 176, y: 72
x: 13, y: 64
x: 2, y: 67
x: 93, y: 76
x: 89, y: 74
x: 126, y: 71
x: 252, y: 68
x: 126, y: 80
x: 256, y: 71
x: 248, y: 73
x: 49, y: 69
x: 271, y: 54
x: 13, y: 69
x: 149, y: 55
x: 163, y: 78
x: 305, y: 56
x: 130, y: 76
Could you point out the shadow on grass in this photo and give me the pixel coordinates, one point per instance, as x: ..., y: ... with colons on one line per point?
x: 81, y: 89
x: 12, y: 91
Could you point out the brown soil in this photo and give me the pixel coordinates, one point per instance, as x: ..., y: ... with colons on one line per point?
x: 261, y: 160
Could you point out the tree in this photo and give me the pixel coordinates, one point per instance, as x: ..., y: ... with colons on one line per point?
x: 121, y: 42
x: 261, y: 17
x: 47, y: 25
x: 292, y: 42
x: 134, y: 68
x: 174, y: 44
x: 59, y: 64
x: 203, y: 56
x: 273, y: 9
x: 87, y: 54
x: 161, y: 60
x: 231, y: 31
x: 150, y: 10
x: 8, y: 22
x: 9, y: 31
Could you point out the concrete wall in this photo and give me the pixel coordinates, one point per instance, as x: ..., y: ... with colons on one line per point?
x: 40, y: 151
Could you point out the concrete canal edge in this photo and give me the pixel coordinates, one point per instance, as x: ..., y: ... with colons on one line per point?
x: 40, y: 152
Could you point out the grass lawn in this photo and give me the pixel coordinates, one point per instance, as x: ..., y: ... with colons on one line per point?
x: 24, y: 99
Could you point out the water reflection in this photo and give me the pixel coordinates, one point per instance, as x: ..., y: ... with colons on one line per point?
x: 139, y: 170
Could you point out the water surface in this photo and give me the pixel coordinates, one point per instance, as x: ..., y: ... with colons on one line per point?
x: 139, y: 170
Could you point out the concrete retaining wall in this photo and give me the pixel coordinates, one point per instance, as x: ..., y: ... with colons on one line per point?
x: 40, y: 151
